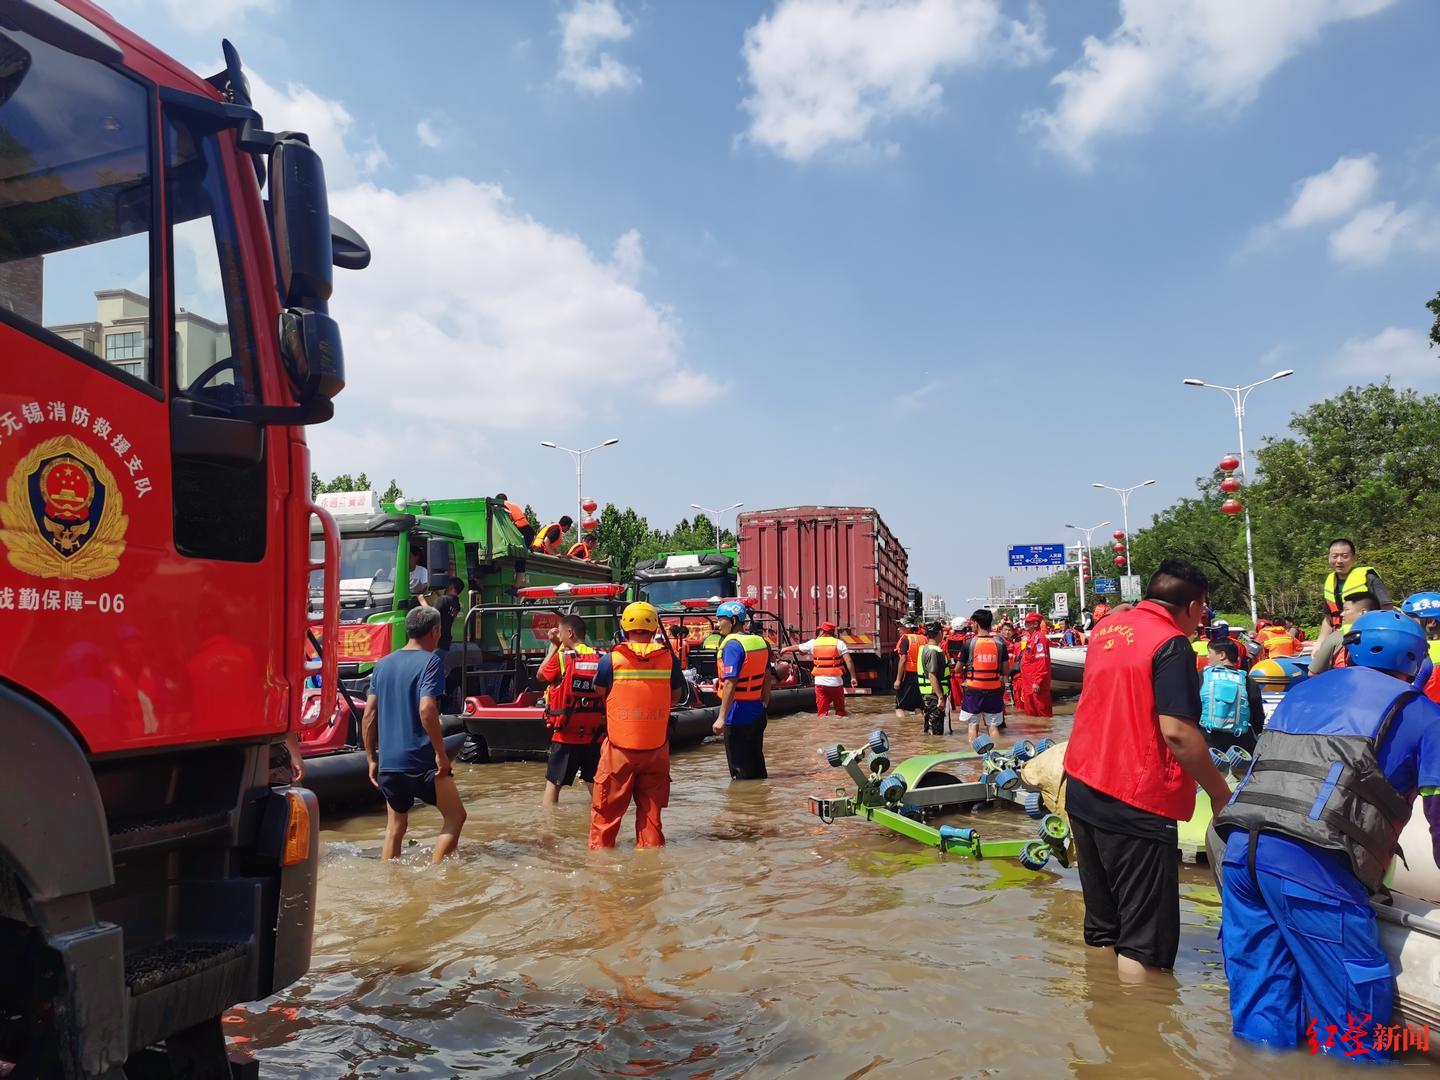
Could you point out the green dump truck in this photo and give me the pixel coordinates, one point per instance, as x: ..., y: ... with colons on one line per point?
x: 472, y: 539
x: 685, y: 575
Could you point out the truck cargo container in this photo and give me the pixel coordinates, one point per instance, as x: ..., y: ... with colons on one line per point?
x: 841, y: 564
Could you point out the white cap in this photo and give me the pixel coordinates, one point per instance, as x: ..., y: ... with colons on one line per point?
x: 957, y: 623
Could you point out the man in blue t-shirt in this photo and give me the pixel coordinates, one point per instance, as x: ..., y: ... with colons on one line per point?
x: 1309, y: 833
x: 743, y: 671
x: 403, y: 739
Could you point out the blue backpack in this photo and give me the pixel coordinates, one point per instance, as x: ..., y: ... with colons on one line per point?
x: 1224, y: 701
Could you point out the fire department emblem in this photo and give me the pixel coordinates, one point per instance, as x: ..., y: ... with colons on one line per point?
x: 62, y: 514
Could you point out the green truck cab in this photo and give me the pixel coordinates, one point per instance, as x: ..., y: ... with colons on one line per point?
x: 685, y: 575
x: 472, y: 539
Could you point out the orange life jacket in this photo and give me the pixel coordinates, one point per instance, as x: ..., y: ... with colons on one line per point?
x: 547, y: 546
x: 912, y: 652
x: 1101, y: 610
x: 517, y: 515
x: 574, y: 709
x: 827, y: 658
x: 637, y: 709
x: 982, y: 671
x: 580, y: 551
x: 681, y: 648
x: 750, y: 682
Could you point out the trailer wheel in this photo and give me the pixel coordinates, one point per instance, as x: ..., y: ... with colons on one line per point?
x: 1034, y: 855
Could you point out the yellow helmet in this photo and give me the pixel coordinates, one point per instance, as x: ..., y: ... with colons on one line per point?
x: 639, y: 616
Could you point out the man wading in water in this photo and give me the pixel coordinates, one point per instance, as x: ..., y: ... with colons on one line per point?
x: 1134, y: 759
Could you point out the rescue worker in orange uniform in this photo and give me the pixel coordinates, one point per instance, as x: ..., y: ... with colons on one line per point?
x: 552, y: 538
x: 641, y: 683
x: 1033, y: 683
x: 574, y: 709
x: 584, y: 550
x: 832, y: 660
x: 742, y: 664
x: 983, y: 661
x: 517, y: 515
x: 907, y: 658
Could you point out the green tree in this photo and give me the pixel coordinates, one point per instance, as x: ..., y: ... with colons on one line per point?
x: 314, y: 484
x: 621, y: 538
x: 1434, y: 306
x: 362, y: 483
x: 392, y: 492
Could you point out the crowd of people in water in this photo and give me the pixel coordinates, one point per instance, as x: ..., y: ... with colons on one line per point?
x: 1169, y: 693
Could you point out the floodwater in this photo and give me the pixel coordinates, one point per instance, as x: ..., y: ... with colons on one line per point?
x: 759, y: 942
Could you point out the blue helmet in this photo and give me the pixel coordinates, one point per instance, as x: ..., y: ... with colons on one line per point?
x: 1423, y: 605
x: 1389, y: 641
x: 731, y: 609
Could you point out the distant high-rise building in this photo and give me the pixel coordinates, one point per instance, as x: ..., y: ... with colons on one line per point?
x: 997, y: 587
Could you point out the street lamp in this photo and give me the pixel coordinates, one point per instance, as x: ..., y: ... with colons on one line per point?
x: 1086, y: 556
x: 579, y: 456
x: 1124, y: 494
x: 715, y: 516
x: 1237, y: 396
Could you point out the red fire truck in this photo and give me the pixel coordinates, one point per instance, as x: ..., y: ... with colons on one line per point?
x: 164, y: 337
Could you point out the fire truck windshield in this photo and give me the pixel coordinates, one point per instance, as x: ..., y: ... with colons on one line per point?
x: 75, y: 203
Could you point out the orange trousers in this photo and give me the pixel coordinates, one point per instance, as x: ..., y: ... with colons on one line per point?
x: 643, y: 774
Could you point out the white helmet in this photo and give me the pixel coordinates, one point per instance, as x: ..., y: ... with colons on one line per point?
x: 958, y: 623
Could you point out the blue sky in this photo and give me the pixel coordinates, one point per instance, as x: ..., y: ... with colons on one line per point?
x: 950, y: 258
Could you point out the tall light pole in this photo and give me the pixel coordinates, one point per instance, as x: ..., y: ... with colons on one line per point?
x: 1125, y: 494
x: 715, y: 516
x: 1086, y: 557
x: 579, y: 456
x: 1237, y: 396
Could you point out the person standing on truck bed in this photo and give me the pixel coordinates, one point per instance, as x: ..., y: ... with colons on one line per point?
x: 403, y: 738
x: 574, y: 709
x: 552, y: 538
x: 641, y: 685
x: 743, y: 668
x: 907, y: 659
x: 527, y: 535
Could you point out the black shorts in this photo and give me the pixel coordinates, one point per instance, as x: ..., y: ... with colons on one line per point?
x: 907, y: 698
x: 567, y: 759
x: 1131, y: 886
x: 745, y: 750
x: 401, y: 789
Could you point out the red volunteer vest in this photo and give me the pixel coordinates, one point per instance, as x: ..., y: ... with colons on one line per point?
x: 1116, y: 746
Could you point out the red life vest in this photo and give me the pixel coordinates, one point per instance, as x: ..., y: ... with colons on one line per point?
x: 912, y: 652
x: 827, y: 658
x: 982, y: 671
x: 1116, y: 746
x: 517, y: 515
x: 574, y: 709
x: 953, y: 644
x: 1101, y: 610
x: 637, y: 709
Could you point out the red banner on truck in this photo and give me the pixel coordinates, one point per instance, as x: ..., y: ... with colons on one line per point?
x: 360, y: 643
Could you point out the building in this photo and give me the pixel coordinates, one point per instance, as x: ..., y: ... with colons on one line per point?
x: 935, y: 610
x: 121, y: 332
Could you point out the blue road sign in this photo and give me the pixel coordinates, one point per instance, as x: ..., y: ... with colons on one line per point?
x: 1030, y: 556
x: 1107, y: 585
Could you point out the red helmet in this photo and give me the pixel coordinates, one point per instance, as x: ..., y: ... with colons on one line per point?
x: 1034, y: 616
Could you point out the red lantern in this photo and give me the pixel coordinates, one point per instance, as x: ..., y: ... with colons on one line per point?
x: 589, y: 524
x: 1119, y: 549
x: 1118, y: 535
x: 1230, y: 485
x: 1119, y: 560
x: 1229, y: 463
x: 589, y: 506
x: 1231, y: 507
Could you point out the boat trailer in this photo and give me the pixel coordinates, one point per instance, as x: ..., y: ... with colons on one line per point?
x: 902, y: 798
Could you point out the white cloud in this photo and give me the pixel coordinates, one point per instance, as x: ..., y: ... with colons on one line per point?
x: 1200, y: 54
x: 428, y: 134
x: 825, y: 72
x: 475, y: 317
x: 584, y: 29
x: 628, y: 258
x: 1376, y: 232
x: 1399, y: 353
x: 347, y: 156
x: 1334, y: 193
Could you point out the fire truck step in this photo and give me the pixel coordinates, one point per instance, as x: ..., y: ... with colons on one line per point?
x: 168, y: 828
x: 154, y: 966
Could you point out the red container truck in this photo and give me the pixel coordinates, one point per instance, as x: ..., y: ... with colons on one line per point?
x: 841, y: 564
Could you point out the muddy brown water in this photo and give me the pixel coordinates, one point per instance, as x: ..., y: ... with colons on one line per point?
x: 759, y: 942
